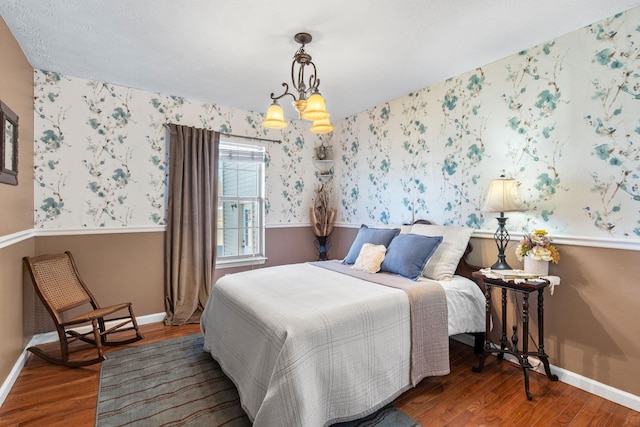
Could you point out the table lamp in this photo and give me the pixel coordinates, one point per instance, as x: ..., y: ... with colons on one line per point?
x: 502, y: 197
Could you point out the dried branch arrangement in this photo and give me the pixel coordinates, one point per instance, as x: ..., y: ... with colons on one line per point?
x: 322, y: 216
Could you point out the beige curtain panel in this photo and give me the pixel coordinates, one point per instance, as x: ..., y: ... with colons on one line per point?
x: 190, y: 239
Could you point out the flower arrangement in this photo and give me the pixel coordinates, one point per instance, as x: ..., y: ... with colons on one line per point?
x: 537, y: 246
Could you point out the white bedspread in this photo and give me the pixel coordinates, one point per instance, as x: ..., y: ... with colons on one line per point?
x: 341, y: 353
x: 465, y: 304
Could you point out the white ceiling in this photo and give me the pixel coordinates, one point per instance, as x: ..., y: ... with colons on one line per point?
x: 236, y: 52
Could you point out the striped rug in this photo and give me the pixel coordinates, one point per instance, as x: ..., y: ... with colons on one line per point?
x: 174, y: 383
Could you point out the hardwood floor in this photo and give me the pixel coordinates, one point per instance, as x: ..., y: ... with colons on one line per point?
x: 50, y: 395
x: 496, y: 397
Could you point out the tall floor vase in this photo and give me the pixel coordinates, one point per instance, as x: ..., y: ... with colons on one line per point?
x: 321, y: 244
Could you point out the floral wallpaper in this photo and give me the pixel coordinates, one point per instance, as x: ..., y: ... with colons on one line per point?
x: 562, y: 118
x: 100, y: 154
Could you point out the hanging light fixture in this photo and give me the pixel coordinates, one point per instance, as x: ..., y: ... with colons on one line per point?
x: 309, y: 103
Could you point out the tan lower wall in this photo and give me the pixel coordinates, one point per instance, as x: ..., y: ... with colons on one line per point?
x: 12, y: 336
x: 116, y: 267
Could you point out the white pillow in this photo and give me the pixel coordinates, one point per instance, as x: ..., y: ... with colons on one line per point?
x: 404, y: 229
x: 444, y: 261
x: 370, y: 258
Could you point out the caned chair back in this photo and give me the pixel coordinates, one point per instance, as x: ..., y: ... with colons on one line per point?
x: 57, y: 280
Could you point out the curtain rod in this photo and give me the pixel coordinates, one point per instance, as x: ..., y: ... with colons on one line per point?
x: 255, y: 138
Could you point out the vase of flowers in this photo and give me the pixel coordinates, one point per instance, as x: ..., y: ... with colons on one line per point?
x: 536, y: 250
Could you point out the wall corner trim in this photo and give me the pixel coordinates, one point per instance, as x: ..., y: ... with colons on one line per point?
x: 15, y: 238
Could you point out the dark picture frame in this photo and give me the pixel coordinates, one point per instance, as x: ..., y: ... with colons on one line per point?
x: 8, y: 145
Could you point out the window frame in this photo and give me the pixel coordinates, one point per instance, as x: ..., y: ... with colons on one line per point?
x: 259, y: 257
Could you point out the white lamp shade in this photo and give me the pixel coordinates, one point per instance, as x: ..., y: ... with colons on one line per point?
x: 503, y: 196
x: 275, y: 117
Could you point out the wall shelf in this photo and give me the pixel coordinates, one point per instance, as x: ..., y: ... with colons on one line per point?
x: 325, y: 167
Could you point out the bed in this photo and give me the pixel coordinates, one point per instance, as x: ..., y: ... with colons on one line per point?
x: 313, y: 344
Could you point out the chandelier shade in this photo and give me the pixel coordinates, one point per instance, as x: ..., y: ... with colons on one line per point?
x: 309, y: 103
x: 275, y: 117
x: 321, y: 126
x: 315, y: 108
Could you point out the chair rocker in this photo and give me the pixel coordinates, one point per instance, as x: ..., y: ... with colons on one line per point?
x: 60, y: 288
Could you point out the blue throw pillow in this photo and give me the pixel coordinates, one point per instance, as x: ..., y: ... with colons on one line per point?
x: 408, y: 254
x: 375, y: 236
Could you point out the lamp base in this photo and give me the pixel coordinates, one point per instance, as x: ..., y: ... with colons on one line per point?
x: 501, y: 265
x: 502, y: 240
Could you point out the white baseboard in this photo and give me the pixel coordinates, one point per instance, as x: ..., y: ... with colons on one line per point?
x: 51, y: 337
x: 583, y: 383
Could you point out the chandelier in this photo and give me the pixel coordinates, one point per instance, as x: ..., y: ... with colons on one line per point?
x: 309, y: 103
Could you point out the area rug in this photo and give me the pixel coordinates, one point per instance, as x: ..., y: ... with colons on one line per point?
x: 175, y: 383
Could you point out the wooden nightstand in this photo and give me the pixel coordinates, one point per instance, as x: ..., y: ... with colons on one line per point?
x: 525, y: 288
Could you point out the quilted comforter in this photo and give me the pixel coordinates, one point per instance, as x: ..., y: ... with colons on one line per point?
x: 309, y: 346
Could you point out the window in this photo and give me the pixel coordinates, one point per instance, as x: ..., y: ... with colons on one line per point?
x: 240, y: 205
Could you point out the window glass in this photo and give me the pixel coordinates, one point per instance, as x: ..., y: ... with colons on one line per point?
x: 240, y: 202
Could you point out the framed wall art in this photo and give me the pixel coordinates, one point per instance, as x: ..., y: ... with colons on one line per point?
x: 8, y: 145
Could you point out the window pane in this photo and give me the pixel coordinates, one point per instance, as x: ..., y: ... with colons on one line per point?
x: 247, y: 180
x: 248, y: 228
x: 230, y: 242
x: 228, y: 179
x: 230, y: 214
x: 238, y: 228
x: 252, y: 241
x: 239, y: 179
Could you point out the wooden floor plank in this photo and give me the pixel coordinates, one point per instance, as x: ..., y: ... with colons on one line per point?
x: 564, y: 395
x: 587, y: 412
x: 632, y: 418
x: 50, y: 395
x: 571, y: 410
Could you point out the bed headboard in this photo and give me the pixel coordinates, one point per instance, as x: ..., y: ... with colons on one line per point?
x: 464, y: 267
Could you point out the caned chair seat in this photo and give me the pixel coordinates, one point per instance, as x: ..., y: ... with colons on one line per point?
x: 94, y: 314
x: 60, y: 288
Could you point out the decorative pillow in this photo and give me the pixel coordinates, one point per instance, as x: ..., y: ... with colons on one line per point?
x: 408, y: 253
x: 370, y: 258
x: 376, y: 236
x: 404, y: 229
x: 444, y: 261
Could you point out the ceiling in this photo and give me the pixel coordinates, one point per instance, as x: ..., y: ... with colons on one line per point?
x: 236, y: 52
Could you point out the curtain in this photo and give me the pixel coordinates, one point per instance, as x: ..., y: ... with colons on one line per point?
x: 190, y: 239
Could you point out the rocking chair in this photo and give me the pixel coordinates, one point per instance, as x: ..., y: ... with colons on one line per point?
x: 59, y: 286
